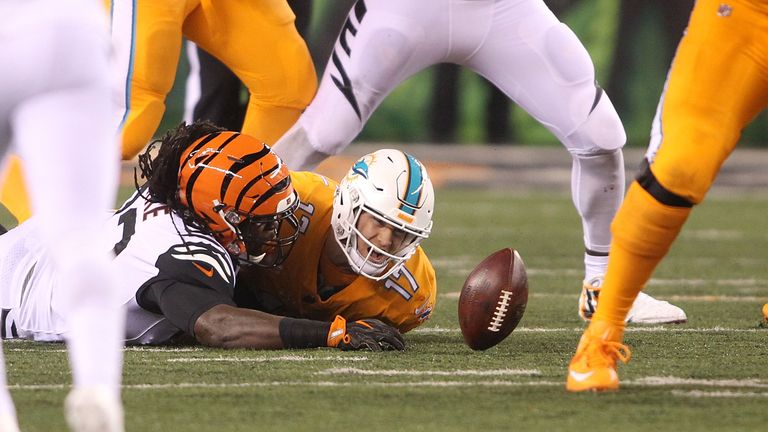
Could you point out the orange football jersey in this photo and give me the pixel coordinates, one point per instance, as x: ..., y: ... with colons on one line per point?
x: 298, y: 288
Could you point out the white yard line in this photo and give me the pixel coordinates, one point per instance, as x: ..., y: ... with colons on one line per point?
x: 263, y: 359
x: 690, y: 298
x: 676, y: 381
x: 717, y: 394
x: 640, y: 382
x: 398, y: 372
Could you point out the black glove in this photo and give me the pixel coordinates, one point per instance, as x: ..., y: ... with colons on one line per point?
x: 370, y: 334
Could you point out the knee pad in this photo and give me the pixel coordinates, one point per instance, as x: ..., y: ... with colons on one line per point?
x: 297, y: 151
x: 602, y: 130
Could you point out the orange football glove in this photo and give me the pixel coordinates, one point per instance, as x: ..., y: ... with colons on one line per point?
x: 370, y: 334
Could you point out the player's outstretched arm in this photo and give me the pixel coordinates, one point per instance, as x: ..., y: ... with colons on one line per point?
x: 227, y: 326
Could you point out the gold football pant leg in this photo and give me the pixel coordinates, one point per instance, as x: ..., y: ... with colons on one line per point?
x: 13, y: 194
x: 643, y: 232
x: 148, y: 37
x: 716, y: 86
x: 258, y: 41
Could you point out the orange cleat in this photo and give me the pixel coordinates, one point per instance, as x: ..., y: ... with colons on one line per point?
x: 593, y: 367
x: 765, y: 313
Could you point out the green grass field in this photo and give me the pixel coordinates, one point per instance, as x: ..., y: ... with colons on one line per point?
x: 708, y: 374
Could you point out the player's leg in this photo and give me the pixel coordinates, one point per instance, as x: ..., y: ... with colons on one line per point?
x: 381, y: 44
x: 715, y: 87
x: 147, y: 40
x: 72, y: 166
x: 698, y: 124
x: 259, y: 43
x: 549, y: 73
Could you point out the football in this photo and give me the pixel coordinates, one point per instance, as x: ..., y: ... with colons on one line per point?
x: 493, y: 299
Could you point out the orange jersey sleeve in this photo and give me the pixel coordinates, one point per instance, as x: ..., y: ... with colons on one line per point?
x: 404, y: 300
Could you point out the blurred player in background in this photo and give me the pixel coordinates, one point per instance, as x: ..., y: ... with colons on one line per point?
x: 717, y: 84
x: 522, y: 48
x: 55, y: 112
x: 257, y: 40
x: 358, y: 254
x: 214, y: 202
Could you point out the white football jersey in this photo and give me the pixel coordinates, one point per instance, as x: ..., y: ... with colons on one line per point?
x: 151, y: 245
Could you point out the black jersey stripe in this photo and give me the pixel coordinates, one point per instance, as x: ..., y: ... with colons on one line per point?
x: 360, y: 10
x: 348, y: 27
x: 345, y: 85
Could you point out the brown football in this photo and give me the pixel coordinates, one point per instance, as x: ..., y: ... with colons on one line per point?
x: 493, y: 299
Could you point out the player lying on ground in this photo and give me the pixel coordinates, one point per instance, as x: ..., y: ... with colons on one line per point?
x: 521, y: 47
x: 214, y: 201
x: 358, y: 253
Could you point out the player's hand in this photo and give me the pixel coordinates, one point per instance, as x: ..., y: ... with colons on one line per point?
x: 370, y: 334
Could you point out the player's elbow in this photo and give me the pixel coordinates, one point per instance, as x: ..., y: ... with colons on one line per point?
x: 213, y: 328
x: 225, y: 326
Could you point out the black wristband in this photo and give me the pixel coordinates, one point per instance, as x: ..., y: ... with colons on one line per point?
x: 304, y: 333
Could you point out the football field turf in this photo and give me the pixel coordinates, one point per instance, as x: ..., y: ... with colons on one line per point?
x: 708, y: 374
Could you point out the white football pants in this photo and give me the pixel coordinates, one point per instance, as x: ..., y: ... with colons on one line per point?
x: 55, y: 111
x: 518, y: 45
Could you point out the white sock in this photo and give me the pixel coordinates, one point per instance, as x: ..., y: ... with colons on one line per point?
x: 594, y: 266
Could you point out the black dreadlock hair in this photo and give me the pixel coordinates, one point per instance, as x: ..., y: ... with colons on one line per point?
x: 162, y: 171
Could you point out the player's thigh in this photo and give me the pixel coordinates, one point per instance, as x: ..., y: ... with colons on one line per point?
x: 540, y: 64
x: 259, y: 42
x: 43, y: 48
x: 716, y: 86
x: 380, y: 46
x: 147, y: 39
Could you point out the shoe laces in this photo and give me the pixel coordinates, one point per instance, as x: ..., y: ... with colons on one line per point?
x: 601, y: 352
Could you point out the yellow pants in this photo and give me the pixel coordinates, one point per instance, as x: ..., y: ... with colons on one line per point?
x: 257, y: 40
x: 717, y: 84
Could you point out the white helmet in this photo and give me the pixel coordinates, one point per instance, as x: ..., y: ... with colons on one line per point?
x: 393, y: 187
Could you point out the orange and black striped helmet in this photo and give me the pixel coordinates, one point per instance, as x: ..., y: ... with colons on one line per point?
x: 243, y: 191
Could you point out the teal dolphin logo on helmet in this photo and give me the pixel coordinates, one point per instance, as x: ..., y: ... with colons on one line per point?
x: 361, y: 168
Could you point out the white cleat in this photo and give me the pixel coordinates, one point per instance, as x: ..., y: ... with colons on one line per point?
x: 94, y: 409
x: 648, y: 310
x: 645, y: 309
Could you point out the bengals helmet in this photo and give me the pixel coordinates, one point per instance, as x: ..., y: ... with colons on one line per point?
x: 243, y: 192
x: 393, y: 188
